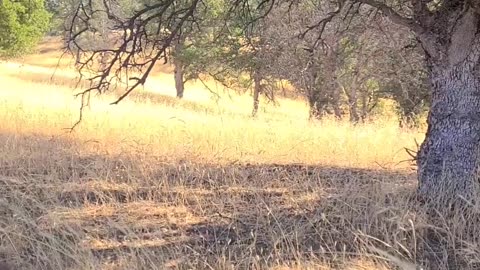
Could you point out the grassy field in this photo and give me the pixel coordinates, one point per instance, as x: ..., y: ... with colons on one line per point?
x: 157, y: 183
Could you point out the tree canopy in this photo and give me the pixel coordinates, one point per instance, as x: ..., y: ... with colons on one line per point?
x: 22, y: 23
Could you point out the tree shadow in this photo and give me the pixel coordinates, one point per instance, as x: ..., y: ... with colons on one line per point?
x: 107, y: 208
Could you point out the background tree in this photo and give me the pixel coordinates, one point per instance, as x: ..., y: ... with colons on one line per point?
x: 343, y: 72
x: 232, y: 52
x: 22, y: 23
x: 178, y: 54
x: 381, y: 53
x: 306, y: 61
x: 194, y: 50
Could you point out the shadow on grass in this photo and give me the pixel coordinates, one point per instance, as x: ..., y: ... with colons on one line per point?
x: 61, y: 209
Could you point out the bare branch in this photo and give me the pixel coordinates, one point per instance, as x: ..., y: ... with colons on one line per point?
x: 320, y: 25
x: 132, y: 45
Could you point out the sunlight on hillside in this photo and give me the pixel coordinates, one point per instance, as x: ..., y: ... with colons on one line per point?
x: 198, y: 127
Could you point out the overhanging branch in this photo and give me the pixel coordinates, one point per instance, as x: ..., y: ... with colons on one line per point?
x: 394, y: 16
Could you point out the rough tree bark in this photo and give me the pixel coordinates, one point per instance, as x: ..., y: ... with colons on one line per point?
x: 449, y: 158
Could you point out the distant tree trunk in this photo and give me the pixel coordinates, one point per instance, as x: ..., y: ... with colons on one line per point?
x: 257, y: 90
x: 313, y: 112
x: 330, y: 78
x: 352, y: 101
x: 356, y: 81
x: 449, y: 158
x: 352, y: 105
x: 179, y: 83
x: 364, y: 109
x: 310, y: 84
x: 178, y: 70
x: 317, y: 104
x: 354, y: 118
x: 336, y: 101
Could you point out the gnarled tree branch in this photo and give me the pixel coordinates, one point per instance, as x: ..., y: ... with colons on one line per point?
x: 394, y: 16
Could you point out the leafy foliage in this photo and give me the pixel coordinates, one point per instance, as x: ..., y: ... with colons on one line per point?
x: 22, y: 24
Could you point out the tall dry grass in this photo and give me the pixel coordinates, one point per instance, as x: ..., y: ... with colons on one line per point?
x: 205, y: 131
x: 156, y: 183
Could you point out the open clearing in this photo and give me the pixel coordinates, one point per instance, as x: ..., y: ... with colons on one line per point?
x: 156, y: 183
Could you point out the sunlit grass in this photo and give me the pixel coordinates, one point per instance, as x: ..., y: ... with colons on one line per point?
x: 211, y: 131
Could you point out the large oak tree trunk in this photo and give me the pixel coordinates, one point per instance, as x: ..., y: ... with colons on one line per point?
x: 449, y: 158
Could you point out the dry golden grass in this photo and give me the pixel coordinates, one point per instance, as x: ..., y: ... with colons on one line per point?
x: 156, y: 183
